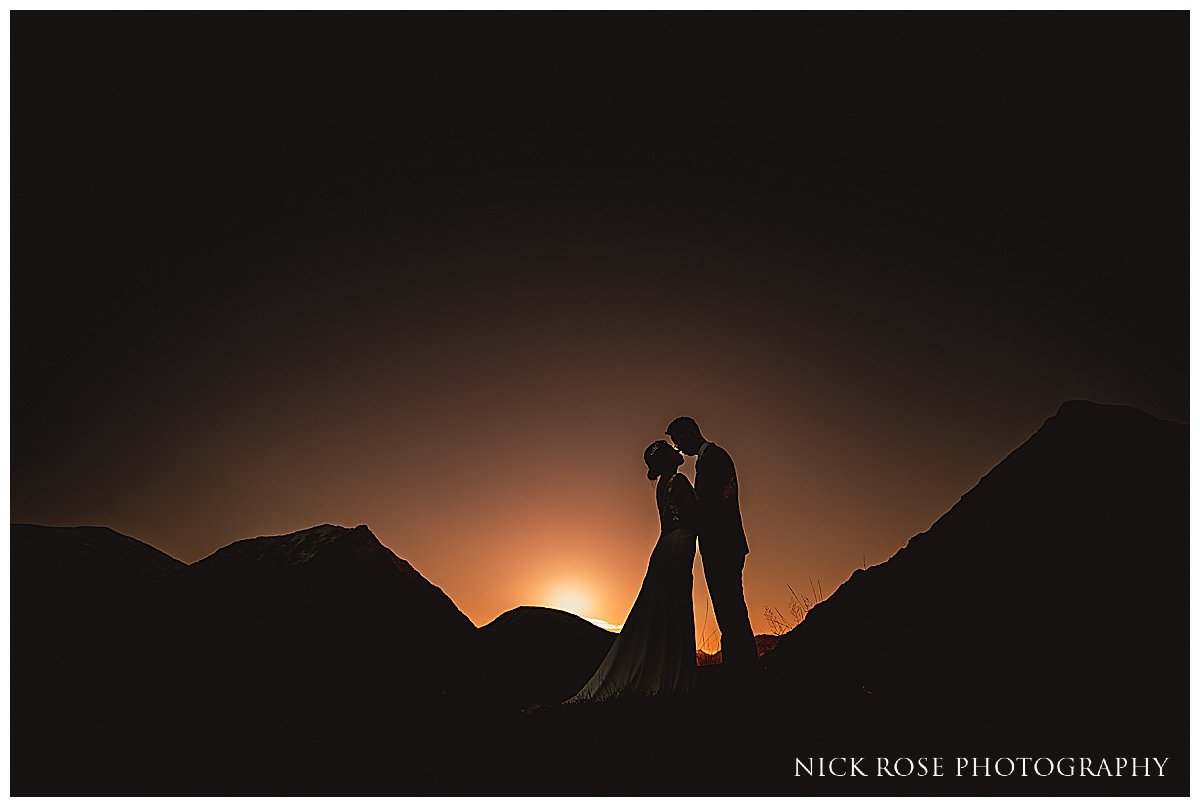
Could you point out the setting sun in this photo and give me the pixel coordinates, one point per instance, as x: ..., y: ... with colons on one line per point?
x: 571, y: 597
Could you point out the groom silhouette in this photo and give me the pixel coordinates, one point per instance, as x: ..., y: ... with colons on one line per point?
x: 723, y: 549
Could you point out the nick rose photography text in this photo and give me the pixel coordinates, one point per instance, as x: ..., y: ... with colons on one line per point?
x: 981, y: 766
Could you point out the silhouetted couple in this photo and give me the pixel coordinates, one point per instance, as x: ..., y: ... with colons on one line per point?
x: 656, y: 650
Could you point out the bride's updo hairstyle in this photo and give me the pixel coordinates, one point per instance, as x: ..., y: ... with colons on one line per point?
x: 661, y: 457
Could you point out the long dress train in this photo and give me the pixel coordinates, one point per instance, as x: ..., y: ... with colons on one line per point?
x: 655, y: 652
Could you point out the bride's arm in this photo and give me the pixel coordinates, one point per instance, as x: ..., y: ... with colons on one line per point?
x: 683, y: 497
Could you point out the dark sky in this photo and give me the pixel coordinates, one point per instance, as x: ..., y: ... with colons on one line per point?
x: 448, y: 274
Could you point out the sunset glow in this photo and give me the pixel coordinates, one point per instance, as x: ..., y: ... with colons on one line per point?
x: 575, y: 598
x: 570, y: 597
x: 600, y: 623
x: 462, y: 326
x: 353, y: 359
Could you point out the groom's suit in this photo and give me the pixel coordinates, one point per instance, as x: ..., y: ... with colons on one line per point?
x: 723, y: 549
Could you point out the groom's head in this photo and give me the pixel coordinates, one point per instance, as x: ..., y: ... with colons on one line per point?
x: 686, y: 436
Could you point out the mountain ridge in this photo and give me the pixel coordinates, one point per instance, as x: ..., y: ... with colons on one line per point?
x: 1046, y: 612
x: 1011, y: 603
x: 121, y: 556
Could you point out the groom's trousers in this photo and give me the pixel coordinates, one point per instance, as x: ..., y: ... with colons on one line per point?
x: 723, y: 572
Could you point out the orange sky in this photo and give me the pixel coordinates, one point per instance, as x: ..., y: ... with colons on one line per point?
x: 447, y: 276
x: 500, y: 452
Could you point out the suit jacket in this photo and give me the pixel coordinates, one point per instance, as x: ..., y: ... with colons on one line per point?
x: 718, y: 518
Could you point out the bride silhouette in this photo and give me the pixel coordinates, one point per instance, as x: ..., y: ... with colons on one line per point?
x: 655, y: 652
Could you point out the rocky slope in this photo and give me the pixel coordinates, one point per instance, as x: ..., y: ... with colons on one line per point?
x: 1053, y: 594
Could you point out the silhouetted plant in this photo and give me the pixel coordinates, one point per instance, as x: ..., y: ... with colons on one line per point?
x: 707, y: 640
x: 798, y: 607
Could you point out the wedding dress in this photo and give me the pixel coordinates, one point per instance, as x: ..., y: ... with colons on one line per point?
x: 655, y: 652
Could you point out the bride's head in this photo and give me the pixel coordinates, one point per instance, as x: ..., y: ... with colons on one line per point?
x: 661, y: 458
